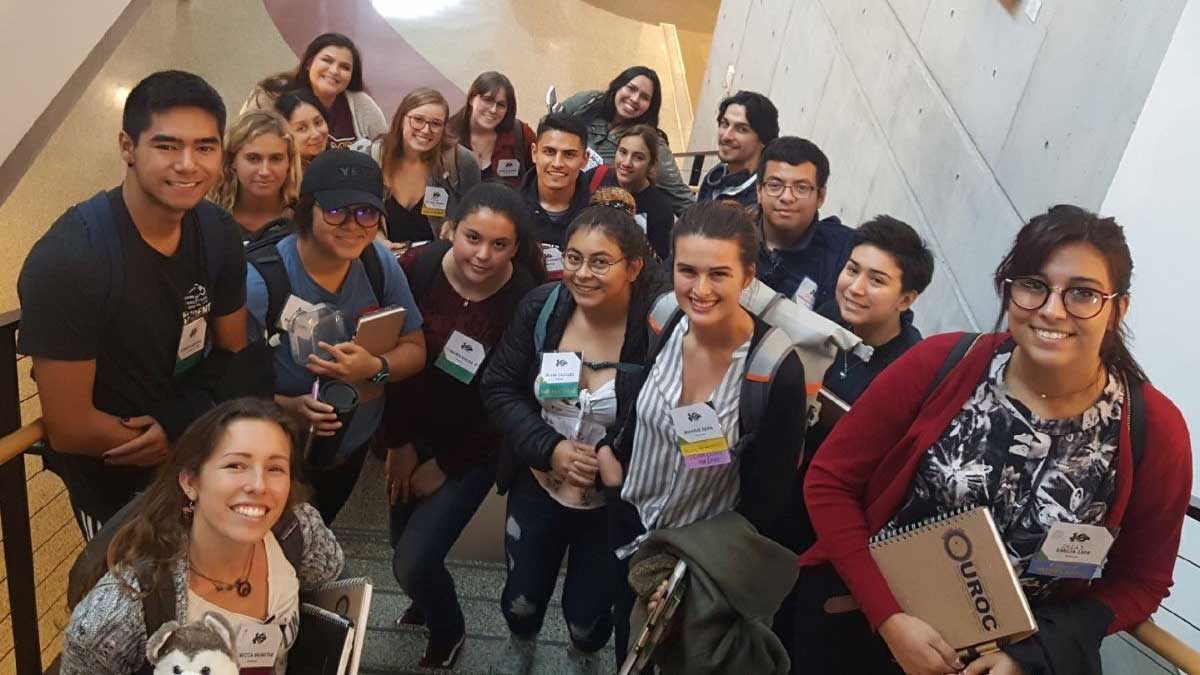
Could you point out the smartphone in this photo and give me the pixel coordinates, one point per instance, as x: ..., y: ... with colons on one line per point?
x: 657, y: 623
x: 379, y: 331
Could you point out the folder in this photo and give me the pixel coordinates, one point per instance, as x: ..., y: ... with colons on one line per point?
x: 324, y: 643
x: 953, y: 573
x: 351, y: 600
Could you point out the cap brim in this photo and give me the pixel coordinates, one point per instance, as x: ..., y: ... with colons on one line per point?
x: 337, y: 199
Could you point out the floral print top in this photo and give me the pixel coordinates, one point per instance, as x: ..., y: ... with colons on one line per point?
x: 1030, y: 472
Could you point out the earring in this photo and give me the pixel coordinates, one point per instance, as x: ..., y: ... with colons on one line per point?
x: 190, y: 508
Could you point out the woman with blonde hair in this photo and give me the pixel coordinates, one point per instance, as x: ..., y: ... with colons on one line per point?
x: 424, y: 170
x: 260, y: 173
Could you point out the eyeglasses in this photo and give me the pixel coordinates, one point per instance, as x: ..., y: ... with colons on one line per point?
x: 366, y: 217
x: 1080, y: 302
x: 417, y: 122
x: 489, y: 101
x: 599, y: 266
x: 775, y: 188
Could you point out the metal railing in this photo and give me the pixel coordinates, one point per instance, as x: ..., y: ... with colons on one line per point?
x: 18, y: 543
x: 696, y: 173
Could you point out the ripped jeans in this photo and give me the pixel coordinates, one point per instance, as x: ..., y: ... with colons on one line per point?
x: 538, y: 533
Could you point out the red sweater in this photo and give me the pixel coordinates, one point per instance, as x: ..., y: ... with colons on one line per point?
x: 863, y: 471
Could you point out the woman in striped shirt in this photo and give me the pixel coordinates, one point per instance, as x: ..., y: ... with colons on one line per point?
x: 703, y: 361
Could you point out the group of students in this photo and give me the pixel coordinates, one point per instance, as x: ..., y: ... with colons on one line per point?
x: 584, y: 350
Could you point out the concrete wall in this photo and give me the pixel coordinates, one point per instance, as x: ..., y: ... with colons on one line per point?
x: 1154, y: 196
x: 56, y: 35
x: 953, y: 115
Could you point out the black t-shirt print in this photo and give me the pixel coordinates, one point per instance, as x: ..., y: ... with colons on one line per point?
x: 135, y: 342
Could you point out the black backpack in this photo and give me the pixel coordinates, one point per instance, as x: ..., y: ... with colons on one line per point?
x: 263, y: 255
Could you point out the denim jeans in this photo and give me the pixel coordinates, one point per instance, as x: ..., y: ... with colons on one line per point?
x: 538, y: 533
x: 422, y: 533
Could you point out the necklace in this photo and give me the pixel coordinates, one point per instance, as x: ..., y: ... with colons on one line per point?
x: 1089, y: 385
x: 241, y: 584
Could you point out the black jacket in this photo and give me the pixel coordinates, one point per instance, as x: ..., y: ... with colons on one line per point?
x: 546, y: 230
x: 507, y: 386
x: 768, y: 463
x: 849, y: 375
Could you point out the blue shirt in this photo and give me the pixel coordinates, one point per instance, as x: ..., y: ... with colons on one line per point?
x: 818, y: 256
x: 355, y: 299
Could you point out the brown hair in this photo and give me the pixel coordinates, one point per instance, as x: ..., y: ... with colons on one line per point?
x: 244, y: 130
x: 1066, y: 224
x: 726, y: 221
x: 158, y: 532
x: 393, y: 142
x: 649, y: 136
x: 487, y: 83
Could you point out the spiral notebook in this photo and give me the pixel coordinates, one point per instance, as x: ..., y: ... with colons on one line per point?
x: 953, y: 573
x: 351, y: 600
x: 324, y: 643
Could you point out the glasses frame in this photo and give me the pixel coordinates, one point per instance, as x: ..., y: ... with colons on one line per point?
x: 1062, y: 296
x: 812, y: 189
x: 419, y: 123
x: 346, y: 218
x: 591, y: 264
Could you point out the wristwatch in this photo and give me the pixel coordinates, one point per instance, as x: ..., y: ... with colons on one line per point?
x: 384, y: 371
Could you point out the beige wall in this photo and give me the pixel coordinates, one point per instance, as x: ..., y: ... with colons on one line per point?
x: 41, y: 45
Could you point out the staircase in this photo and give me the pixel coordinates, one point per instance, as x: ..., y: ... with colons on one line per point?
x: 361, y: 527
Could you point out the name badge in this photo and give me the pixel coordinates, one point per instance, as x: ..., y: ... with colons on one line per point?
x: 257, y: 648
x: 700, y: 438
x: 191, y: 345
x: 461, y: 357
x: 640, y: 219
x: 291, y: 308
x: 553, y: 258
x: 559, y: 376
x: 436, y: 201
x: 1072, y: 552
x: 806, y: 294
x: 508, y: 168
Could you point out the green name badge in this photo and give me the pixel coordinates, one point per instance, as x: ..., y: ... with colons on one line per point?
x: 461, y: 358
x: 559, y: 376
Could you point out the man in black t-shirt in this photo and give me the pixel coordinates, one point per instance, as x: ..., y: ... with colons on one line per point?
x: 134, y: 317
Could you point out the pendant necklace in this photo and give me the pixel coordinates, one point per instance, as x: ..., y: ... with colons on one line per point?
x: 241, y: 584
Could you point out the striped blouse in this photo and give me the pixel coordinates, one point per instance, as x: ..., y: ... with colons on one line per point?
x: 662, y: 489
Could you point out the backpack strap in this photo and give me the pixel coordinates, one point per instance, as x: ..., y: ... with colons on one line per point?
x: 661, y: 319
x: 291, y: 538
x: 519, y: 147
x: 597, y: 177
x: 761, y: 366
x: 543, y: 319
x: 102, y: 233
x: 373, y: 264
x: 1137, y: 422
x: 965, y: 342
x: 158, y: 606
x: 265, y: 259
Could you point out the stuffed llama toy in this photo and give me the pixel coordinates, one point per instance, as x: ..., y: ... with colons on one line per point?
x: 202, y: 647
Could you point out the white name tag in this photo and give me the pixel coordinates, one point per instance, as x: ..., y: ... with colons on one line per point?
x: 553, y: 258
x: 461, y: 357
x: 436, y: 201
x: 191, y: 339
x: 1072, y: 551
x: 508, y: 168
x: 806, y: 294
x: 291, y: 308
x: 701, y: 439
x: 258, y: 645
x: 640, y: 219
x: 559, y: 376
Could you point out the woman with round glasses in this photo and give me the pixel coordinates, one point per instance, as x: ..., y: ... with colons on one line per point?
x: 1037, y: 424
x: 487, y: 124
x: 425, y: 171
x: 337, y: 217
x: 565, y: 374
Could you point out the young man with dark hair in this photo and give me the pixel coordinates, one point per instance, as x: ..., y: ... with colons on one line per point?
x: 133, y: 303
x: 558, y: 188
x: 888, y: 268
x: 746, y: 123
x: 801, y: 254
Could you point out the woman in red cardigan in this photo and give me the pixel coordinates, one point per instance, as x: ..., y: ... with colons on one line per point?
x: 1034, y: 424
